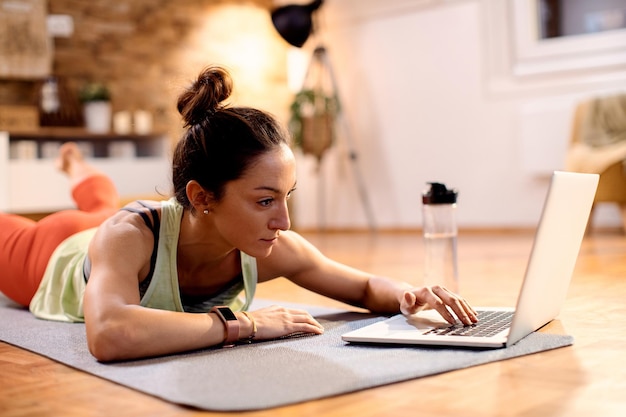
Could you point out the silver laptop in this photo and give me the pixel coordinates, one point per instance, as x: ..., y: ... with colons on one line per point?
x: 553, y: 257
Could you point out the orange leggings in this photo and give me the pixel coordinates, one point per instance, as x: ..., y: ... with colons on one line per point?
x: 26, y: 245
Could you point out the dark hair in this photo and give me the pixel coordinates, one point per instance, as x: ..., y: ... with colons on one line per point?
x: 220, y: 142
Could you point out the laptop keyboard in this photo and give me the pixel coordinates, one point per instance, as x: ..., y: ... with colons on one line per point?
x: 489, y: 323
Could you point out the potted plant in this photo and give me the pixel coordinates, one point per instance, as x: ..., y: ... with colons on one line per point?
x: 96, y: 99
x: 312, y: 121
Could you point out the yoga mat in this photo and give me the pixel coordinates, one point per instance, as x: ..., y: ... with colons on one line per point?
x: 263, y: 374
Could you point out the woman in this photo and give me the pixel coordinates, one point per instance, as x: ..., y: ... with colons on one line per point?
x: 151, y: 264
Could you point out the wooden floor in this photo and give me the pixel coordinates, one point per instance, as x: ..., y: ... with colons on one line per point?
x: 587, y: 379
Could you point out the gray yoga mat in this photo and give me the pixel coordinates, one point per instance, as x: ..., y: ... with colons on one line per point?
x: 265, y: 374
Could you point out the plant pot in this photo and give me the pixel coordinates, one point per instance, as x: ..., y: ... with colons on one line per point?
x: 317, y: 134
x: 97, y: 116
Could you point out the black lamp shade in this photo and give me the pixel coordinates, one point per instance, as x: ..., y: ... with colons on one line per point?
x: 294, y: 22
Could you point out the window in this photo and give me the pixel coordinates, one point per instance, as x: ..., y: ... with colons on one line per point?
x: 559, y: 18
x: 536, y: 40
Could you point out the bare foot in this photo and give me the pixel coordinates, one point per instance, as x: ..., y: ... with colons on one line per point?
x: 67, y: 152
x: 71, y: 162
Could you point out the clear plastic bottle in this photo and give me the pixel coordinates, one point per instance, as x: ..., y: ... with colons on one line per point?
x: 440, y: 236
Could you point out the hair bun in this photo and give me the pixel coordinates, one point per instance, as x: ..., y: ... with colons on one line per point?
x: 206, y: 95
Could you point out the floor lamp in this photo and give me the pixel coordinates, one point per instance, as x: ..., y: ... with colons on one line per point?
x: 295, y: 24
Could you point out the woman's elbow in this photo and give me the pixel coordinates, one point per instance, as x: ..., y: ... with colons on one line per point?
x: 109, y: 342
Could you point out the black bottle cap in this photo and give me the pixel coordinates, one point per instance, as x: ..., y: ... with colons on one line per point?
x: 439, y: 194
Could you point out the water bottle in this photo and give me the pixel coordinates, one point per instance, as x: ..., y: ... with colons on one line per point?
x: 440, y: 236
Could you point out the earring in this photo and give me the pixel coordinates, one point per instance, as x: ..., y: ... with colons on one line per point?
x: 206, y: 211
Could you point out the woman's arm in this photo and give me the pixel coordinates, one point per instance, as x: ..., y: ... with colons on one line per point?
x: 118, y: 328
x: 298, y: 260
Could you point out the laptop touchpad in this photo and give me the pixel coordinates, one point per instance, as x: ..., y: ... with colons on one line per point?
x: 423, y: 321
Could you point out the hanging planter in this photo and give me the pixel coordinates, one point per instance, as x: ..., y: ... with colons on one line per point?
x: 312, y: 122
x: 96, y: 100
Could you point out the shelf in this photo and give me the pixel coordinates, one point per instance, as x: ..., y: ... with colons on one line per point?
x: 77, y: 133
x: 34, y: 185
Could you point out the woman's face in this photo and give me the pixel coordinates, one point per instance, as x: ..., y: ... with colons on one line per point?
x: 253, y: 210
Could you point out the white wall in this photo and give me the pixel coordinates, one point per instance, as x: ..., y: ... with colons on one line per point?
x: 429, y: 95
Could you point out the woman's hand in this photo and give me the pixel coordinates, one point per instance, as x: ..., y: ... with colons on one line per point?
x: 277, y: 321
x: 442, y: 300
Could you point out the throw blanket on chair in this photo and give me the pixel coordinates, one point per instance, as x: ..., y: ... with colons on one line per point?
x: 601, y: 136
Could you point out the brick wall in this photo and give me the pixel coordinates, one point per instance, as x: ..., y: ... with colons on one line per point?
x: 148, y: 50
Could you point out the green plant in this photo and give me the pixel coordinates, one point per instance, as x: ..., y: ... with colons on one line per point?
x: 312, y: 120
x: 94, y: 92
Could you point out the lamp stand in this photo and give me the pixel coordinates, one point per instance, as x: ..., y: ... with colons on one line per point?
x: 320, y: 55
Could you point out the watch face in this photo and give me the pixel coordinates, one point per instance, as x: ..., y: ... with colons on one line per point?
x: 227, y: 313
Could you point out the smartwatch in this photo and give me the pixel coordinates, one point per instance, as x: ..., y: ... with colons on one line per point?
x: 231, y: 324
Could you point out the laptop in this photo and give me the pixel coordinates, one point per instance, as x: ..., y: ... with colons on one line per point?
x: 555, y: 249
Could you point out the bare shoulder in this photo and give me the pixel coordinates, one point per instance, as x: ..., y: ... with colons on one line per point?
x: 129, y: 213
x: 121, y: 250
x: 291, y: 255
x: 291, y: 244
x: 144, y: 205
x: 125, y: 220
x: 126, y: 227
